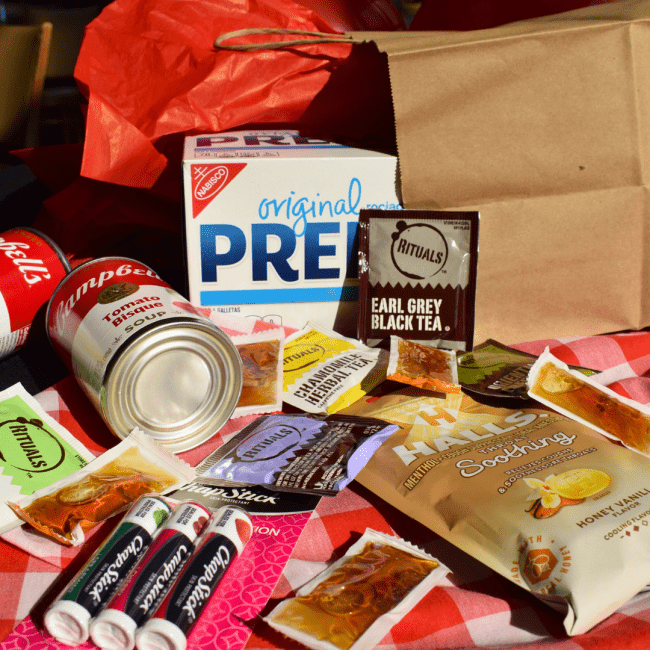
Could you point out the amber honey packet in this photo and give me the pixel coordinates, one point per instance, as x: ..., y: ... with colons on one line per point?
x: 553, y: 383
x: 417, y: 277
x: 422, y: 366
x: 497, y: 370
x: 108, y: 485
x: 262, y: 355
x: 355, y: 602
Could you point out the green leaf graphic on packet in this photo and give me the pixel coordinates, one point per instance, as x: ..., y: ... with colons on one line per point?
x: 495, y: 369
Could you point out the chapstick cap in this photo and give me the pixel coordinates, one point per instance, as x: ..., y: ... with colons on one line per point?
x: 67, y: 622
x: 159, y: 634
x: 114, y: 630
x: 234, y: 523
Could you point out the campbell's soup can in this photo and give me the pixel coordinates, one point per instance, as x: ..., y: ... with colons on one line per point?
x: 143, y: 354
x: 31, y: 267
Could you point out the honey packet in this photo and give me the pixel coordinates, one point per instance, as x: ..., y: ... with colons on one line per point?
x: 417, y: 277
x: 262, y: 354
x: 553, y: 383
x: 498, y: 370
x: 423, y: 366
x: 325, y: 372
x: 106, y: 486
x: 355, y: 602
x: 539, y: 498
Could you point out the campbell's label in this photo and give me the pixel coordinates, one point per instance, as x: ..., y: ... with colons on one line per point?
x: 101, y: 307
x: 30, y: 270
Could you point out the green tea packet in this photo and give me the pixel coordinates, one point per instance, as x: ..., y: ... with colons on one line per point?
x: 35, y: 450
x: 495, y: 369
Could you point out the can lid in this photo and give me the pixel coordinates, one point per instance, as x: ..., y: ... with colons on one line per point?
x: 179, y: 382
x: 113, y: 630
x: 159, y: 634
x: 67, y: 622
x: 59, y: 253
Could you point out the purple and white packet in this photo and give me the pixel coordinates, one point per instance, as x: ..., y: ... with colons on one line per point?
x: 297, y: 453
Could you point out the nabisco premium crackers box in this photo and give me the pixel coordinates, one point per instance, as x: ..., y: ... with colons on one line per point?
x: 271, y: 224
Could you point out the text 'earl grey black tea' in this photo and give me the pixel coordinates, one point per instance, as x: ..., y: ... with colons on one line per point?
x: 417, y: 277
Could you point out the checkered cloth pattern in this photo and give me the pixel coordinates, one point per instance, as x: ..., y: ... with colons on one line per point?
x: 471, y: 608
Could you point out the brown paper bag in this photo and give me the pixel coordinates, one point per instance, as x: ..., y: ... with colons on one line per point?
x: 543, y: 126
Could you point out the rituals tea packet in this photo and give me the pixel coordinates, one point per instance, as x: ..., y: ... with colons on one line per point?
x: 539, y: 498
x: 324, y: 371
x: 417, y: 277
x: 36, y: 450
x: 300, y: 453
x: 553, y: 383
x: 355, y: 602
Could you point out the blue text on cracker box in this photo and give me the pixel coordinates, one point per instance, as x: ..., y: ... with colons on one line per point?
x: 271, y: 222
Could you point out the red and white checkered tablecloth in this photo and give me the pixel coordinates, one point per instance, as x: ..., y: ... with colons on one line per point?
x: 472, y: 608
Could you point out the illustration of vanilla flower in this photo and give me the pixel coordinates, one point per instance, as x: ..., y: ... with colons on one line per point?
x: 543, y: 491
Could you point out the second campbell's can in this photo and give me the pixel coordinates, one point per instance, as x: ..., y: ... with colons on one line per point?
x: 143, y: 354
x: 31, y: 267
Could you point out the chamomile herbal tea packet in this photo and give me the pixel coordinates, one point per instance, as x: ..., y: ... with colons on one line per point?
x: 541, y: 499
x: 553, y: 383
x: 324, y: 371
x: 417, y: 277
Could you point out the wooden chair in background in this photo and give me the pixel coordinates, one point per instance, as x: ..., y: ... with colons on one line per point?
x: 62, y: 119
x: 24, y: 52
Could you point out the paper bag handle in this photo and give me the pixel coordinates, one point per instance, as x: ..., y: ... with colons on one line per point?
x: 316, y: 37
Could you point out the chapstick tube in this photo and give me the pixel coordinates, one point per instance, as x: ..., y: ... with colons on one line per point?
x: 223, y: 540
x: 140, y: 594
x: 68, y: 618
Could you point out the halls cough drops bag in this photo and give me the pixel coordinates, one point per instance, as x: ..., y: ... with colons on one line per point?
x: 540, y: 499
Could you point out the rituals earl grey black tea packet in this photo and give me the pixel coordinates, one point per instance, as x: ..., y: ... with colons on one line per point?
x: 417, y: 277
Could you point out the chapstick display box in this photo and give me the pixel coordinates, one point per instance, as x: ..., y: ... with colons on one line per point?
x: 271, y: 222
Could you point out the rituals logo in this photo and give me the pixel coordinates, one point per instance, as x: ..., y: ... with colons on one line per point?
x: 419, y: 251
x: 28, y: 446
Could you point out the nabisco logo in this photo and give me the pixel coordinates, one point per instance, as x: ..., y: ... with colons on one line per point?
x: 209, y: 180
